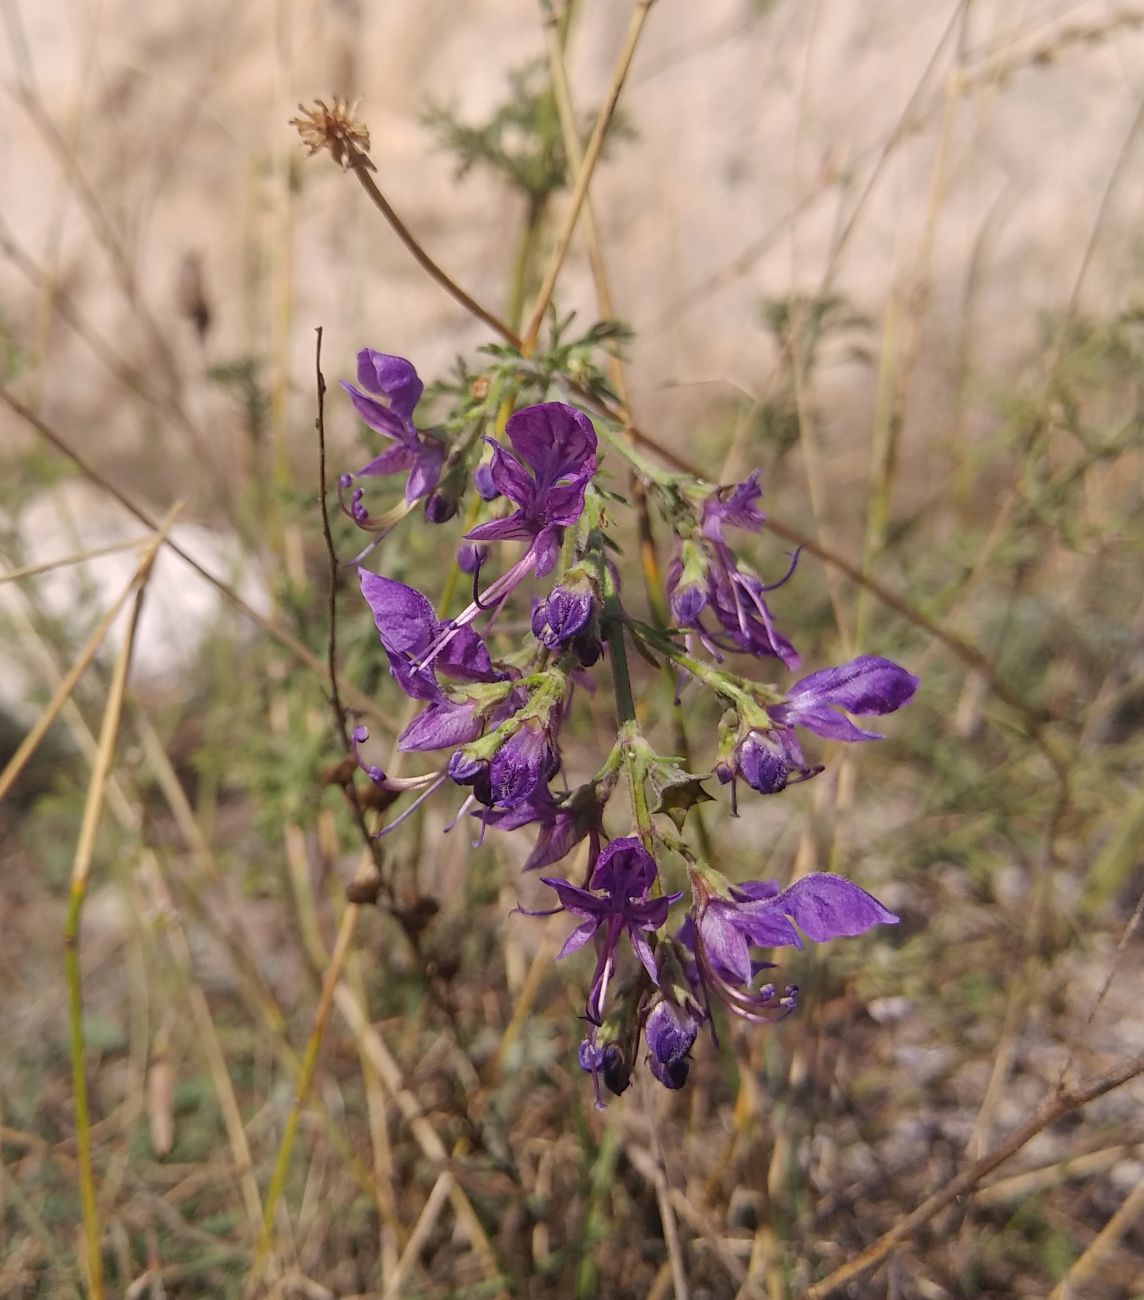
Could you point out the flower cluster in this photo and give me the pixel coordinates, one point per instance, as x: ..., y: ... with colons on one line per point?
x: 494, y: 705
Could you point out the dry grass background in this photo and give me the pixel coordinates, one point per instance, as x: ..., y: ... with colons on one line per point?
x: 966, y: 178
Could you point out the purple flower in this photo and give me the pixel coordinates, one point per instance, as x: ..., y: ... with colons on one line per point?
x: 604, y: 1060
x: 562, y: 825
x: 408, y: 627
x: 563, y: 615
x: 671, y: 1029
x: 485, y: 484
x: 546, y: 473
x: 705, y: 574
x: 866, y: 685
x: 757, y: 913
x: 526, y: 761
x: 395, y: 380
x: 768, y: 760
x: 624, y: 874
x: 733, y: 505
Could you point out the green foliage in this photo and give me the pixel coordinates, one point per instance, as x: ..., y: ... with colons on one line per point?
x: 520, y: 141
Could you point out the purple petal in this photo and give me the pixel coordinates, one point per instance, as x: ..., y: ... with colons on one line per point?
x: 643, y: 951
x: 485, y: 483
x: 734, y: 505
x: 555, y: 439
x: 392, y: 377
x: 555, y: 840
x: 394, y: 460
x: 866, y: 685
x: 466, y: 657
x: 764, y: 926
x: 442, y: 726
x: 578, y: 938
x: 724, y: 946
x: 576, y: 900
x: 625, y: 869
x: 426, y: 470
x: 501, y: 530
x: 380, y: 418
x: 546, y: 550
x: 417, y: 683
x: 509, y: 476
x: 564, y: 505
x: 828, y: 907
x: 756, y: 891
x: 404, y: 617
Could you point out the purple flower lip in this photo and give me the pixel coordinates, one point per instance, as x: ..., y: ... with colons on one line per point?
x: 771, y: 759
x: 624, y: 873
x: 562, y: 825
x: 758, y: 913
x: 394, y: 380
x: 408, y: 626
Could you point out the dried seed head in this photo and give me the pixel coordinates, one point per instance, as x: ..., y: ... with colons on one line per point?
x: 335, y: 129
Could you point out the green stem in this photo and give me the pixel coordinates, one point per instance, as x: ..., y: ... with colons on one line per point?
x: 648, y: 471
x: 522, y: 262
x: 613, y: 627
x: 82, y: 1108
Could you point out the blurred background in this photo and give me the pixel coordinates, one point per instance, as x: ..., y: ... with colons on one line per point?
x: 890, y: 254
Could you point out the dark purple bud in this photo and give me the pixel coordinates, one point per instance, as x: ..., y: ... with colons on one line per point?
x: 670, y: 1031
x: 525, y: 761
x: 565, y: 613
x: 483, y: 480
x: 672, y: 1074
x: 616, y: 1071
x: 464, y: 769
x: 587, y: 649
x: 440, y: 506
x: 470, y: 556
x: 687, y: 603
x: 765, y: 762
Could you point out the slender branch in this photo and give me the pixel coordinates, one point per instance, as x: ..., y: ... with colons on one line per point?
x: 81, y: 874
x: 328, y: 538
x: 591, y: 157
x: 1056, y: 1105
x: 361, y: 169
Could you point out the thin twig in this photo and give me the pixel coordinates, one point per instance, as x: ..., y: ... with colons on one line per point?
x: 1056, y: 1105
x: 328, y: 538
x: 360, y: 166
x: 584, y: 175
x: 81, y: 873
x: 62, y: 694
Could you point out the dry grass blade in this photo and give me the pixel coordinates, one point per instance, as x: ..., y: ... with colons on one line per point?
x: 81, y: 872
x: 584, y: 175
x: 43, y: 723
